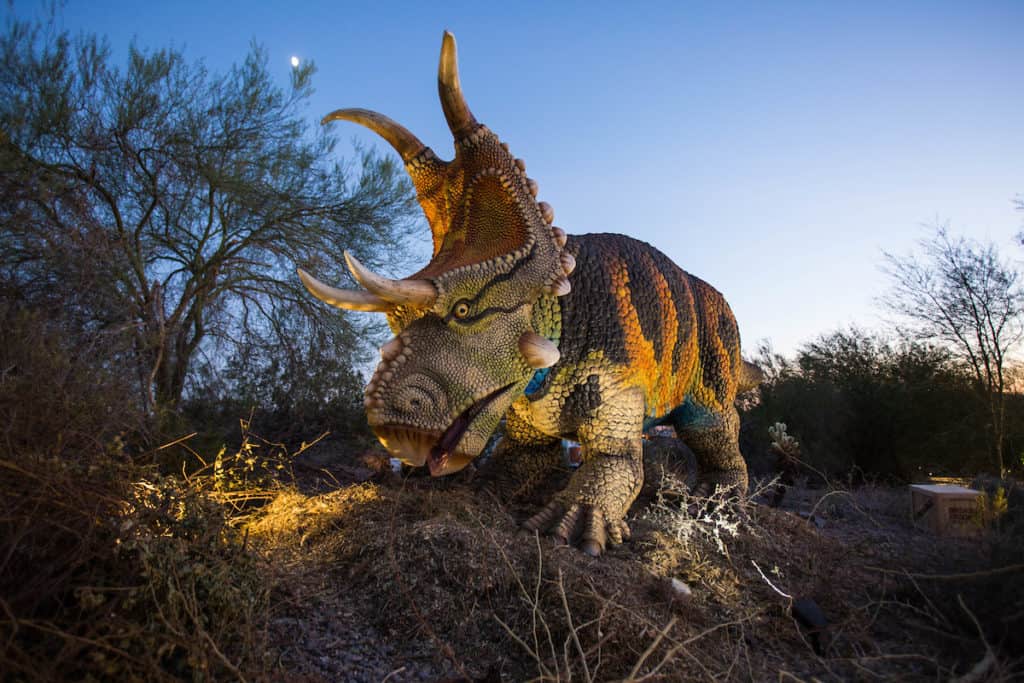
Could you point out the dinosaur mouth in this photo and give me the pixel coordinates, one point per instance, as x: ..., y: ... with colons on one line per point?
x: 436, y: 449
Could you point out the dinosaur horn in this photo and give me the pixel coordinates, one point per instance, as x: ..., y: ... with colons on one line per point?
x: 404, y: 142
x: 343, y: 298
x: 538, y: 351
x: 456, y: 111
x: 413, y: 292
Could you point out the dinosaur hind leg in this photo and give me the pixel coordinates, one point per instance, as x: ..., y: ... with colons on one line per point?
x: 713, y: 436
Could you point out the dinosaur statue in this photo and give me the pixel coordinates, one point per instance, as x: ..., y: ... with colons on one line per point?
x: 591, y: 337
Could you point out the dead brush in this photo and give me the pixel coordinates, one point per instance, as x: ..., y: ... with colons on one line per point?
x: 563, y: 646
x: 253, y: 475
x: 577, y: 629
x: 712, y: 519
x: 113, y: 571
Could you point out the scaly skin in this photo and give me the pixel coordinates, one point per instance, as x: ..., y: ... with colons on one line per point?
x: 626, y: 337
x: 669, y: 355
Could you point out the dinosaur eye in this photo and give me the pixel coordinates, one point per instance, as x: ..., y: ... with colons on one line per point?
x: 461, y: 310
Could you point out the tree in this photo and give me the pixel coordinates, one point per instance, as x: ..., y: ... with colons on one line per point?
x: 164, y: 203
x: 863, y: 404
x: 291, y: 393
x: 962, y: 293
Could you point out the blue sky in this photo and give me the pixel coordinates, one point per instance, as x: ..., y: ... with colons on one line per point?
x: 773, y: 149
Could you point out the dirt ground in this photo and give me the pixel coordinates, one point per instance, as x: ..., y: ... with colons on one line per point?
x: 405, y: 578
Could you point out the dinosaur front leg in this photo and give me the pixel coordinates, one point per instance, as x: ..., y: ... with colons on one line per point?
x: 592, y: 507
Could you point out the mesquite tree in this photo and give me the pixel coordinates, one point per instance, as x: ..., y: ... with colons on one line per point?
x: 162, y: 202
x: 964, y: 294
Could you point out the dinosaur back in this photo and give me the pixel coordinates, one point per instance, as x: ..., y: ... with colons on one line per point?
x: 669, y: 332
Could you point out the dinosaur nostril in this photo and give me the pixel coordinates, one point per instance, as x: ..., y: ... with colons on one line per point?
x: 416, y: 399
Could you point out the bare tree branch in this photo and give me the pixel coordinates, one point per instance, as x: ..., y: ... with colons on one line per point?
x: 961, y: 293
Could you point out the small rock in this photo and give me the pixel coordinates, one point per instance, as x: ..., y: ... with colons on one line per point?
x: 681, y: 588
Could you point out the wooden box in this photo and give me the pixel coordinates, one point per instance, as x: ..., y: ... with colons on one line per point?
x: 945, y: 509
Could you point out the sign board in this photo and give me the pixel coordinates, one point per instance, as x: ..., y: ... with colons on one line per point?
x: 945, y: 509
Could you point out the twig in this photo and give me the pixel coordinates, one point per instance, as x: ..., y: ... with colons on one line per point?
x: 681, y: 645
x: 572, y: 629
x: 928, y: 600
x: 651, y: 648
x: 534, y: 602
x: 46, y: 628
x: 393, y: 673
x: 766, y: 580
x: 14, y: 622
x: 979, y: 670
x: 220, y: 655
x: 512, y: 634
x: 1009, y: 569
x: 853, y: 502
x: 536, y: 612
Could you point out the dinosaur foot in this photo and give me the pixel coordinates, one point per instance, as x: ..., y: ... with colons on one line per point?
x: 579, y: 524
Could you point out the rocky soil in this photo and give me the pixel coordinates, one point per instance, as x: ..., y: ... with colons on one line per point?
x: 387, y: 577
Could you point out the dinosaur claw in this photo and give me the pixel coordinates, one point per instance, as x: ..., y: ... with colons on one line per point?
x: 567, y: 527
x: 594, y: 536
x: 542, y: 520
x: 579, y: 524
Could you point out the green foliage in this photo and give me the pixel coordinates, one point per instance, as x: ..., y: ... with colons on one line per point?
x: 991, y: 507
x: 292, y: 393
x: 859, y: 403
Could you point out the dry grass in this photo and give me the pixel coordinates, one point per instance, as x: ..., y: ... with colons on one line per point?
x: 110, y: 571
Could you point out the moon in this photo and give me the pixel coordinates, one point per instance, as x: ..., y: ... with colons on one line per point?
x: 295, y: 62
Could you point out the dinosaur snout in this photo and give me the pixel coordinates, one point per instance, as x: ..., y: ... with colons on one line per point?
x: 419, y: 398
x: 415, y: 400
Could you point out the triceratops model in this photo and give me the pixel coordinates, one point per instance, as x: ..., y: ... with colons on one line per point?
x: 593, y: 338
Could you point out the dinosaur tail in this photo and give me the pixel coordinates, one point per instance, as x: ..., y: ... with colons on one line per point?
x: 750, y: 377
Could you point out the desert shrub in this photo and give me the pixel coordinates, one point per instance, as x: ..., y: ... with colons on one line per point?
x: 112, y: 572
x: 859, y: 403
x: 712, y: 520
x: 62, y: 388
x: 293, y: 393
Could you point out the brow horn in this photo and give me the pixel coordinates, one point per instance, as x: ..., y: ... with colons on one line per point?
x: 344, y: 298
x: 398, y: 136
x: 460, y: 119
x: 412, y: 292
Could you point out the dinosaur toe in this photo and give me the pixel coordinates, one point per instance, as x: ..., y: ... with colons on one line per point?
x: 584, y: 526
x: 543, y: 520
